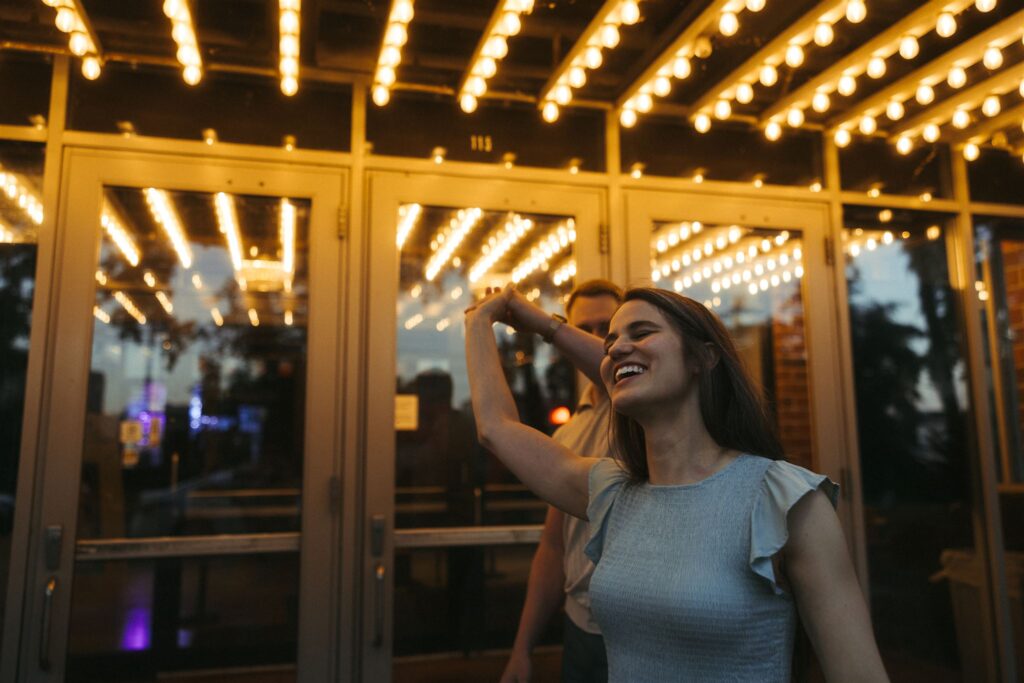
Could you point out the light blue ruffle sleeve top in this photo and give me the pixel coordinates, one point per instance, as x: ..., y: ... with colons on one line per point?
x: 684, y: 588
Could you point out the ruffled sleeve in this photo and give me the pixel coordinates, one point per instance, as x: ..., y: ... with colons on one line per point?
x: 606, y: 480
x: 782, y: 487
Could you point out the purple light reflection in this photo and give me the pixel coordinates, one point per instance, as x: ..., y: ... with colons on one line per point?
x: 136, y: 634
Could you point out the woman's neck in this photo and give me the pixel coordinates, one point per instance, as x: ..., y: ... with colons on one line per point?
x: 679, y: 448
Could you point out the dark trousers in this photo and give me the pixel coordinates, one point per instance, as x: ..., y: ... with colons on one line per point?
x: 583, y: 657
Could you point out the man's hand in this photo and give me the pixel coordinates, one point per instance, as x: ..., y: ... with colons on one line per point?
x: 518, y: 669
x: 526, y: 316
x: 493, y: 307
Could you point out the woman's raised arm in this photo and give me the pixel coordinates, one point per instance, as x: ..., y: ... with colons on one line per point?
x: 551, y: 471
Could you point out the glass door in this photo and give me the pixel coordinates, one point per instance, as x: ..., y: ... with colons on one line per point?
x: 191, y: 426
x: 763, y: 266
x: 450, y: 532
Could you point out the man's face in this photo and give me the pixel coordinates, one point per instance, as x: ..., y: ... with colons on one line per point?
x: 593, y: 313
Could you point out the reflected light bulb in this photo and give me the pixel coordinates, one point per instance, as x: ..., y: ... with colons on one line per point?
x: 192, y: 74
x: 468, y: 103
x: 894, y: 110
x: 662, y: 86
x: 91, y: 68
x: 768, y: 75
x: 592, y: 57
x: 867, y: 124
x: 961, y: 119
x: 78, y: 43
x: 842, y: 137
x: 702, y: 122
x: 681, y: 67
x: 909, y: 47
x: 957, y: 77
x: 562, y: 94
x: 65, y: 20
x: 876, y: 67
x: 856, y: 10
x: 993, y: 58
x: 945, y: 25
x: 550, y: 111
x: 722, y: 109
x: 795, y: 117
x: 773, y: 131
x: 644, y: 102
x: 991, y: 106
x: 820, y: 102
x: 847, y: 85
x: 381, y: 95
x: 510, y: 23
x: 744, y: 93
x: 930, y: 132
x: 629, y: 12
x: 627, y: 117
x: 728, y: 24
x: 794, y: 56
x: 823, y: 34
x: 289, y: 85
x: 609, y: 36
x: 925, y: 94
x: 577, y: 76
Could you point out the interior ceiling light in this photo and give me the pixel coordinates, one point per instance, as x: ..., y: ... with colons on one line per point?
x: 20, y: 193
x: 82, y: 41
x: 842, y: 74
x: 506, y: 22
x: 408, y: 215
x: 949, y: 67
x: 541, y: 252
x: 787, y: 48
x: 602, y: 33
x: 498, y: 243
x: 460, y: 225
x: 130, y: 307
x: 396, y: 34
x: 184, y: 34
x: 117, y: 233
x: 288, y: 25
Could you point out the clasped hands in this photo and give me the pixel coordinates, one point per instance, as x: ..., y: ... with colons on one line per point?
x: 508, y: 305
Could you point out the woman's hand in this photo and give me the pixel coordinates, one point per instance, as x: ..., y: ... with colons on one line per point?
x: 493, y: 307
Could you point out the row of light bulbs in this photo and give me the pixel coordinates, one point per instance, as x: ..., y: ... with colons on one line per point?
x: 498, y: 244
x: 408, y: 215
x: 448, y: 239
x: 603, y: 34
x: 540, y: 255
x: 505, y: 23
x: 80, y: 40
x: 118, y: 234
x: 288, y: 47
x: 167, y: 218
x: 184, y: 34
x: 18, y: 191
x: 564, y: 274
x: 691, y: 252
x: 396, y: 34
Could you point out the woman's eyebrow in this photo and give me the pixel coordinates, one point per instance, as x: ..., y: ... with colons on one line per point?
x: 632, y: 328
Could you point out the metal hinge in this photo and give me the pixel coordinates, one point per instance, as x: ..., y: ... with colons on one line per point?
x: 334, y: 493
x: 342, y: 222
x: 602, y: 238
x: 830, y: 258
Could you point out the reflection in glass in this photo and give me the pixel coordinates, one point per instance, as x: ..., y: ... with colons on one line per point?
x: 143, y: 620
x: 21, y: 212
x: 911, y: 402
x: 448, y: 257
x: 999, y: 254
x: 750, y: 277
x: 196, y: 401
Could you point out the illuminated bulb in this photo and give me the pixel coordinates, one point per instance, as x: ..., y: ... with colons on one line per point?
x: 496, y: 47
x: 386, y: 76
x: 971, y: 151
x: 609, y: 36
x: 909, y: 47
x: 78, y: 43
x: 396, y: 35
x: 722, y: 109
x: 627, y: 117
x: 91, y: 68
x: 856, y: 10
x: 820, y: 102
x: 662, y: 86
x: 930, y: 132
x: 728, y: 24
x: 402, y: 11
x: 390, y: 56
x: 794, y: 56
x: 773, y: 131
x: 702, y: 122
x: 945, y: 25
x: 847, y: 85
x: 755, y: 5
x: 65, y: 20
x: 867, y: 125
x: 681, y: 67
x: 876, y: 67
x: 644, y: 102
x: 381, y: 95
x: 289, y: 85
x: 925, y: 94
x: 629, y: 12
x: 289, y: 21
x: 993, y: 58
x: 985, y: 5
x: 768, y: 75
x: 842, y: 137
x: 904, y: 144
x: 288, y: 46
x: 957, y: 77
x: 550, y: 111
x: 477, y: 86
x: 894, y: 110
x: 592, y: 57
x: 510, y: 23
x: 192, y: 74
x: 823, y: 34
x: 795, y: 117
x: 961, y: 119
x: 744, y: 93
x: 991, y: 106
x: 577, y: 77
x: 468, y: 103
x: 289, y: 66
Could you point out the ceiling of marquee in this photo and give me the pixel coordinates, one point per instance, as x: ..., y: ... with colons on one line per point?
x: 344, y: 40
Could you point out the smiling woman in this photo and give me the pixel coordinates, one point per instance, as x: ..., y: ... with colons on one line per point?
x: 724, y: 541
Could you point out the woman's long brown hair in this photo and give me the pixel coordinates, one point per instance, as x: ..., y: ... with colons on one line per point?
x: 733, y: 410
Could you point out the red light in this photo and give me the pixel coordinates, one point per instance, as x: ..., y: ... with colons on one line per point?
x: 559, y: 416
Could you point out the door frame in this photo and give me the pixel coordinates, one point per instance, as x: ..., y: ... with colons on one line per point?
x: 386, y: 191
x: 821, y: 310
x: 67, y: 362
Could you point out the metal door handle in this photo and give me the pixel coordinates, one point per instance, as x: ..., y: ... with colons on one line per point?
x: 44, y: 635
x: 378, y: 608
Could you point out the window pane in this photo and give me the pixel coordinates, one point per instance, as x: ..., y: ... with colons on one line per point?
x: 870, y: 164
x: 24, y: 88
x: 751, y: 278
x: 196, y: 403
x: 443, y: 477
x: 998, y: 176
x: 21, y: 182
x: 911, y: 398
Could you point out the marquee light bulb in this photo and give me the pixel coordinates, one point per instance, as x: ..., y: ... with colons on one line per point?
x: 925, y: 94
x: 985, y: 5
x: 510, y: 23
x: 681, y: 67
x: 961, y: 119
x: 290, y: 66
x: 930, y: 132
x: 820, y: 102
x: 91, y: 68
x: 722, y: 109
x: 945, y: 25
x: 662, y: 86
x: 396, y: 35
x: 1021, y: 88
x: 390, y: 56
x: 562, y: 93
x: 991, y: 106
x: 823, y: 34
x: 794, y: 56
x: 876, y: 67
x: 289, y: 22
x: 468, y: 103
x: 993, y: 58
x: 909, y: 47
x: 577, y: 76
x: 773, y: 131
x: 592, y: 57
x: 867, y: 124
x: 381, y: 95
x: 487, y: 67
x: 768, y: 75
x: 496, y: 47
x: 842, y: 137
x: 744, y: 93
x: 629, y: 12
x: 78, y: 43
x: 609, y: 36
x: 728, y: 24
x: 795, y: 117
x: 847, y: 85
x: 957, y: 77
x: 894, y: 110
x: 550, y: 111
x: 971, y: 151
x: 755, y: 5
x: 289, y: 85
x: 627, y: 117
x: 66, y: 20
x: 402, y: 11
x: 644, y: 102
x: 702, y: 122
x: 904, y: 144
x: 856, y: 11
x: 192, y: 74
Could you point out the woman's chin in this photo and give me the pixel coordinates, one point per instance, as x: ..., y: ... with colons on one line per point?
x: 627, y: 405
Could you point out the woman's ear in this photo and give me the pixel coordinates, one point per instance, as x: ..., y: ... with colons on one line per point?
x: 713, y: 356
